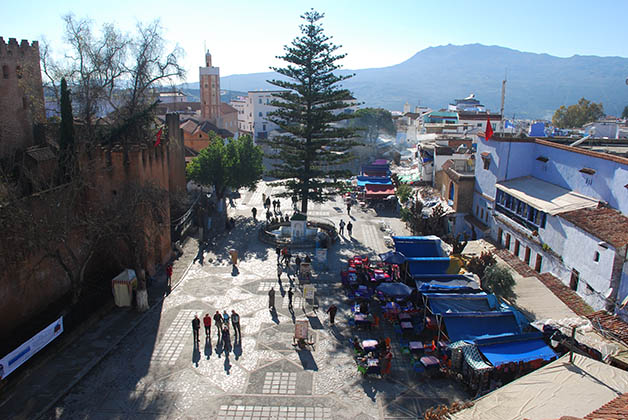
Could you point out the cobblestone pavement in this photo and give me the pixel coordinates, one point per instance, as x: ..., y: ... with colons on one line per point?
x: 159, y: 372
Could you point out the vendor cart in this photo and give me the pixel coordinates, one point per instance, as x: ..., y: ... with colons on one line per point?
x: 302, y: 339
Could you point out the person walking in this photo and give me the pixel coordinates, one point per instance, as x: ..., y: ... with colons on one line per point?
x: 342, y: 227
x: 287, y: 259
x: 349, y: 209
x: 207, y: 322
x: 218, y: 323
x: 278, y: 205
x: 332, y: 313
x: 264, y: 200
x: 226, y: 339
x: 268, y: 216
x: 271, y: 298
x: 297, y: 262
x: 235, y: 320
x: 254, y: 211
x: 267, y: 202
x: 349, y: 227
x: 279, y: 271
x: 278, y: 251
x: 290, y: 294
x: 225, y: 319
x: 169, y: 274
x: 196, y: 326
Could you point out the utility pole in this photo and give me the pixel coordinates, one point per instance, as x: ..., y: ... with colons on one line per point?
x: 501, y: 110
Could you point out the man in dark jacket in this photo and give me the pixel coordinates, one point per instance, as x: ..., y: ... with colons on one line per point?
x: 196, y: 326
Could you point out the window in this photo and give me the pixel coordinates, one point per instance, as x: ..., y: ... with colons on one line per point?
x: 451, y: 191
x: 487, y: 162
x: 482, y: 214
x: 596, y: 257
x: 507, y: 246
x: 526, y: 258
x: 260, y: 114
x: 263, y: 127
x: 517, y: 246
x: 5, y: 72
x: 575, y: 278
x: 500, y: 233
x: 260, y: 100
x: 477, y: 210
x: 479, y: 124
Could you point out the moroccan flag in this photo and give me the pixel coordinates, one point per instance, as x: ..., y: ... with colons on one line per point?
x: 489, y: 129
x: 158, y: 141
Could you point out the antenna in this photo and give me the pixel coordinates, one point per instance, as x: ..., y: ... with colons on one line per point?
x: 501, y: 110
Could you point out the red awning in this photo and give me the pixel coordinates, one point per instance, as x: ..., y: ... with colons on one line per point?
x: 378, y: 190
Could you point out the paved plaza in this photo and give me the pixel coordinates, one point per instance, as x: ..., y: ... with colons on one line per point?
x: 157, y: 371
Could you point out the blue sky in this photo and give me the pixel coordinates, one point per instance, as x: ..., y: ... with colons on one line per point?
x: 245, y: 36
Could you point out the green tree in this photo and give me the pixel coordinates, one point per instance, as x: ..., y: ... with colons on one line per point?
x: 66, y: 134
x: 373, y: 121
x: 308, y: 157
x: 624, y: 113
x: 404, y: 192
x: 230, y: 163
x: 577, y: 115
x: 498, y: 280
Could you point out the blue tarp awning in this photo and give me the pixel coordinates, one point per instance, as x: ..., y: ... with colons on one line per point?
x: 379, y: 180
x: 457, y: 302
x: 446, y: 283
x: 476, y: 325
x: 428, y: 265
x: 418, y: 246
x: 519, y: 348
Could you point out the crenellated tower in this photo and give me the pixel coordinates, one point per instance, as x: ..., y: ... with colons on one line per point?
x: 21, y: 94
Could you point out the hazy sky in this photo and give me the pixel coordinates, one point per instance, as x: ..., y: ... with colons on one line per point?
x: 245, y: 36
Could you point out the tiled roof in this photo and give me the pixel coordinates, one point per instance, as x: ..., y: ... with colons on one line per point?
x: 606, y: 224
x: 615, y: 409
x: 610, y: 324
x: 40, y: 154
x: 226, y: 108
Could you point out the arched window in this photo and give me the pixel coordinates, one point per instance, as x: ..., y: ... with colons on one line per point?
x: 5, y: 71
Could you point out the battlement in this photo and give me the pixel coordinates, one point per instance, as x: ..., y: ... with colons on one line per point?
x: 23, y: 49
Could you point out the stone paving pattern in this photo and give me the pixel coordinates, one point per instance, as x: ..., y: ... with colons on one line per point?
x: 157, y: 371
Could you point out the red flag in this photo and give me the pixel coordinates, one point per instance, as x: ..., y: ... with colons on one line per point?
x: 158, y: 141
x: 489, y: 129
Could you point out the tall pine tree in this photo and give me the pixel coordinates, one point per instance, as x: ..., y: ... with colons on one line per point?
x: 66, y: 135
x: 309, y: 109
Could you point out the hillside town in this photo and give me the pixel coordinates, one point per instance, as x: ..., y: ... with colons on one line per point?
x: 339, y: 261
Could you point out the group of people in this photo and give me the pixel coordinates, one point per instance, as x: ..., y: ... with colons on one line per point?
x: 342, y: 225
x: 221, y: 321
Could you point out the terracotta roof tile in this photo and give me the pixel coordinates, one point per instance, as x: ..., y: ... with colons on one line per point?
x: 606, y: 224
x: 616, y: 409
x: 610, y: 324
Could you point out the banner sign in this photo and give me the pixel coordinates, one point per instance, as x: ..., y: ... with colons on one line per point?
x: 27, y: 350
x: 321, y: 254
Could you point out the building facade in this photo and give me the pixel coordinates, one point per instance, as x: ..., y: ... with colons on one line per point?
x: 21, y: 95
x: 559, y: 209
x: 253, y: 113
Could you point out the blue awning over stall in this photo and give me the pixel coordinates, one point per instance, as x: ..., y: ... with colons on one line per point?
x: 476, y: 325
x: 428, y: 265
x: 519, y: 348
x: 379, y: 180
x: 461, y: 302
x: 446, y: 283
x: 418, y: 246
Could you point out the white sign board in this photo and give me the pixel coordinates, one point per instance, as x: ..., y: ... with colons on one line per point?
x: 27, y: 350
x: 309, y: 291
x: 321, y: 254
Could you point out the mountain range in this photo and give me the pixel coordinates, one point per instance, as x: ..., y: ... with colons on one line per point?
x: 537, y: 84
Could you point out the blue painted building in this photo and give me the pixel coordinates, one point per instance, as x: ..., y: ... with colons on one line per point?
x: 561, y: 210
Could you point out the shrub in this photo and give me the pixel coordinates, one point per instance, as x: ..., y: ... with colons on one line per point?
x: 478, y: 265
x: 498, y: 280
